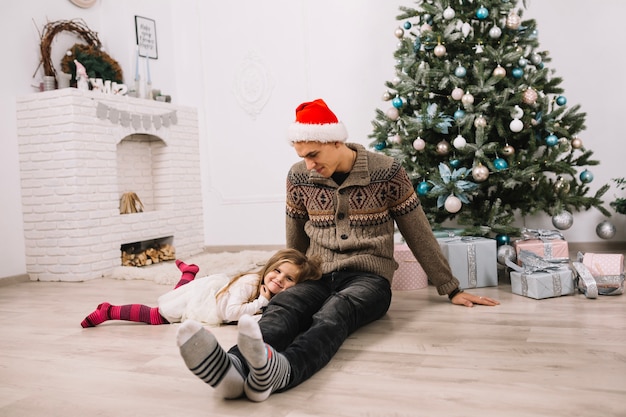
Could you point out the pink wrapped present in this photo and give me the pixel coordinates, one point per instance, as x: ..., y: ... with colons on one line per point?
x: 548, y: 244
x: 603, y: 264
x: 410, y: 275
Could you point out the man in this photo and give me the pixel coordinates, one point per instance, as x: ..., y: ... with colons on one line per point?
x: 342, y: 204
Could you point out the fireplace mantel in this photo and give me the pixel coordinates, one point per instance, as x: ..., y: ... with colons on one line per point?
x: 69, y: 144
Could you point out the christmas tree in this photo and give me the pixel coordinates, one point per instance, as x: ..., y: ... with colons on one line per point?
x: 479, y: 120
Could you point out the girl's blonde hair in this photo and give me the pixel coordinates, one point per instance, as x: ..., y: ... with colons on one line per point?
x: 309, y: 268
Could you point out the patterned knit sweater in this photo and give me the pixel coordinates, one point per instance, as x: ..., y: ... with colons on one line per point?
x: 351, y: 226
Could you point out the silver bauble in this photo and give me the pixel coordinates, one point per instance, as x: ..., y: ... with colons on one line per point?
x: 563, y: 221
x: 506, y: 252
x: 605, y: 230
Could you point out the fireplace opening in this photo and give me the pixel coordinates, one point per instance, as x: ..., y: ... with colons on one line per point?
x: 148, y: 252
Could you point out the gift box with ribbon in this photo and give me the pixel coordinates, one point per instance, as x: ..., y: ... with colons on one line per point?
x: 410, y: 275
x: 600, y: 273
x: 538, y: 278
x: 548, y: 244
x: 473, y: 260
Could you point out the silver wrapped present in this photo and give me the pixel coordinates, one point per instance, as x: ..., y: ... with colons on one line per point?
x: 473, y: 260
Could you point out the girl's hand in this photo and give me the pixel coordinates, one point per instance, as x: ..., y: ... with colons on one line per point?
x: 265, y: 293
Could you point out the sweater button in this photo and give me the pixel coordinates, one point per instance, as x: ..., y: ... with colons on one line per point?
x: 344, y: 237
x: 340, y: 216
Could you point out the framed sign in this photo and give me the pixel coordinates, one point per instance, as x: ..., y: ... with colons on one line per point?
x: 145, y: 31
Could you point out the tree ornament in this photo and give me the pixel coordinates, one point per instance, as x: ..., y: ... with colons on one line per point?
x: 482, y: 13
x: 452, y: 204
x: 387, y: 96
x: 529, y: 96
x: 396, y: 80
x: 443, y: 148
x: 577, y: 143
x: 499, y: 72
x: 397, y: 102
x: 495, y: 32
x: 563, y: 221
x: 449, y: 13
x: 419, y: 144
x: 459, y: 114
x: 423, y: 188
x: 460, y: 71
x: 500, y: 164
x: 439, y: 50
x: 393, y: 113
x: 459, y: 142
x: 480, y: 122
x: 517, y: 73
x: 395, y: 138
x: 552, y: 140
x: 506, y: 253
x: 455, y: 163
x: 586, y: 176
x: 561, y: 100
x: 457, y: 93
x: 408, y: 25
x: 380, y: 146
x: 535, y: 59
x: 467, y: 99
x: 513, y: 21
x: 517, y: 112
x: 516, y: 125
x: 561, y: 186
x: 466, y: 28
x: 508, y: 150
x: 480, y: 173
x: 399, y: 33
x: 605, y: 230
x: 522, y: 62
x: 502, y: 239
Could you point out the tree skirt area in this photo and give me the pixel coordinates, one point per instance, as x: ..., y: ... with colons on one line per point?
x: 166, y: 273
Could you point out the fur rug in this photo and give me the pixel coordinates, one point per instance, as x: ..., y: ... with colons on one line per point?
x: 166, y: 273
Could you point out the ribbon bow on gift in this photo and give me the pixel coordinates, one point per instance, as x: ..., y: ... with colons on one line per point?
x: 541, y: 234
x: 531, y: 263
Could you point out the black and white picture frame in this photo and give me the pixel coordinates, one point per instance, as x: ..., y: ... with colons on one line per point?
x: 145, y: 31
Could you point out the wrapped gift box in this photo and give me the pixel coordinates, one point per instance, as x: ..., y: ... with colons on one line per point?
x: 548, y: 244
x: 410, y: 275
x: 602, y: 264
x: 543, y: 284
x: 473, y: 260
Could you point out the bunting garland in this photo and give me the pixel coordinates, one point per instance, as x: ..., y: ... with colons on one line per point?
x: 136, y: 120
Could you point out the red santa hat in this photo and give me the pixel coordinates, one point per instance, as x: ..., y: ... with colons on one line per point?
x: 315, y: 122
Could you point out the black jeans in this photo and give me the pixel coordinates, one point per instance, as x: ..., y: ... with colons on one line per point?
x: 308, y: 322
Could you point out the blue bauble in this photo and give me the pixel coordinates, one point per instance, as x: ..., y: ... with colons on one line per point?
x: 460, y: 71
x: 455, y: 163
x: 586, y: 176
x: 561, y: 100
x: 408, y: 25
x: 482, y: 13
x: 459, y: 114
x: 397, y: 102
x: 380, y: 146
x: 417, y: 45
x: 517, y: 72
x: 502, y: 240
x: 552, y: 140
x: 500, y: 164
x: 423, y: 188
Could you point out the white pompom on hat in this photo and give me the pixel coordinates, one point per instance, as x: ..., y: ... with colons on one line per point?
x: 315, y: 122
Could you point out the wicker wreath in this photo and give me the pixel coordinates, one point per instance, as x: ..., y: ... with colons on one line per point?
x: 97, y: 62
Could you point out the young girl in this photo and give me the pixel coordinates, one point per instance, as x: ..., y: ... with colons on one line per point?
x: 214, y: 299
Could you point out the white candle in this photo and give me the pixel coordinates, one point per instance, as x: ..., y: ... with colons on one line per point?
x: 137, y: 65
x: 148, y: 70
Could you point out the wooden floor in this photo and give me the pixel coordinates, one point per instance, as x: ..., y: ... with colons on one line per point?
x: 556, y: 357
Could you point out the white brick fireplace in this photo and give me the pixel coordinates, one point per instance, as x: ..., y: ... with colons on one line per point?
x: 79, y: 152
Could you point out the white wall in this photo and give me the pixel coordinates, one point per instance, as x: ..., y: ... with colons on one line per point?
x: 341, y: 51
